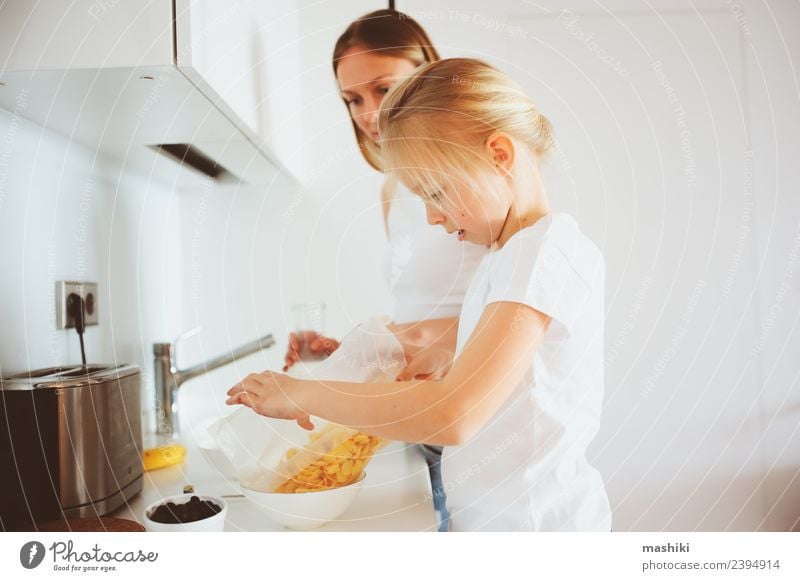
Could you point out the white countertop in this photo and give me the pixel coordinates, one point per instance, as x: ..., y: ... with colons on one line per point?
x: 395, y: 496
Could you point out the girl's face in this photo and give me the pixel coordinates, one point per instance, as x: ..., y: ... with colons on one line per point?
x: 364, y: 79
x: 474, y: 211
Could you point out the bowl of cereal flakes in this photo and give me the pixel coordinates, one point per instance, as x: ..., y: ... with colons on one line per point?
x: 313, y: 484
x: 303, y: 510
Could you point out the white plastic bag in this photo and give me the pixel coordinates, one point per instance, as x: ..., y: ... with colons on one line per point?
x: 369, y: 353
x: 257, y: 446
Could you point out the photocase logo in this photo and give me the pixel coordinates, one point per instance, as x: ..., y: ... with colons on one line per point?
x: 31, y: 554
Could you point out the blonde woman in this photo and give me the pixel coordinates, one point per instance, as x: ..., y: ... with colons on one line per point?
x: 427, y: 270
x: 522, y: 400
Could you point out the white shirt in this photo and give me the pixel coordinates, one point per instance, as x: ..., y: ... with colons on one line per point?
x: 527, y: 468
x: 428, y: 270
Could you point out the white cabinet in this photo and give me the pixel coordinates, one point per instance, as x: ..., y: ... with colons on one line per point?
x: 245, y: 55
x: 219, y: 46
x: 128, y: 76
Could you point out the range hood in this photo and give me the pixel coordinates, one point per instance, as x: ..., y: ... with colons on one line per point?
x: 90, y: 82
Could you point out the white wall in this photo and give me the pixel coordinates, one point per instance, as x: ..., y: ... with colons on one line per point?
x: 66, y: 214
x: 771, y: 43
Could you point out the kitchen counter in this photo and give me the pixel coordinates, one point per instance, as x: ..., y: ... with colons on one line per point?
x: 395, y: 496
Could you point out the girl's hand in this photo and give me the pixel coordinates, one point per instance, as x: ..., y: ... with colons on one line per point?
x: 430, y: 363
x: 270, y: 394
x: 308, y: 345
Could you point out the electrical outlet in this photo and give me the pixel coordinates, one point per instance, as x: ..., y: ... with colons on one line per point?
x: 87, y: 291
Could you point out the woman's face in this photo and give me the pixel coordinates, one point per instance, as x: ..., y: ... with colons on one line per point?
x: 364, y: 79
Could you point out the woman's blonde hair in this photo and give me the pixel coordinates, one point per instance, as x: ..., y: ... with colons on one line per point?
x: 434, y: 124
x: 387, y: 32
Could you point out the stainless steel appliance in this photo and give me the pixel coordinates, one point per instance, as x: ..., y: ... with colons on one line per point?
x: 70, y: 443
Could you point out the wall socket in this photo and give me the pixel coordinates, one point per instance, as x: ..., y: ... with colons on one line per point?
x: 87, y: 291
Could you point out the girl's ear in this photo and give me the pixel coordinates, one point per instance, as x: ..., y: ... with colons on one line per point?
x: 501, y: 149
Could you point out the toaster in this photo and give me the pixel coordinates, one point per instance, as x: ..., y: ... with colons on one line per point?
x: 70, y: 443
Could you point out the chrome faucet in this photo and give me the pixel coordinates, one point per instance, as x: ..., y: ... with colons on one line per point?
x: 168, y: 378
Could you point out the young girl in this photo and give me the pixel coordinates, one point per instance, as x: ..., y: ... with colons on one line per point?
x: 522, y: 399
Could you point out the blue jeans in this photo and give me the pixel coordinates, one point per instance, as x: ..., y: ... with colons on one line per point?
x: 433, y: 456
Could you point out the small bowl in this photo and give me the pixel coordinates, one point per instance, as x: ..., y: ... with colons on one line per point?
x: 305, y: 510
x: 214, y: 523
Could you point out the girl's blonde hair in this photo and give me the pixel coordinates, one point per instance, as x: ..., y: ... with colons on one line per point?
x: 434, y: 124
x: 387, y: 32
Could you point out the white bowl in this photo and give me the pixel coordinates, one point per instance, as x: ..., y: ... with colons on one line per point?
x: 304, y: 510
x: 214, y: 523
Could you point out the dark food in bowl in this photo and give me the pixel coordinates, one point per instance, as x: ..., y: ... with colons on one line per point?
x: 194, y: 510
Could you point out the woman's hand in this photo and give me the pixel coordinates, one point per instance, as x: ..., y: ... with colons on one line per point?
x: 430, y: 363
x: 270, y: 394
x: 308, y: 345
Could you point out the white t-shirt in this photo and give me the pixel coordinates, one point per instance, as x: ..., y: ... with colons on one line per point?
x: 428, y: 270
x: 527, y: 468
